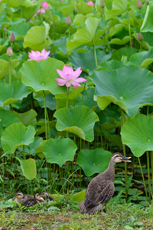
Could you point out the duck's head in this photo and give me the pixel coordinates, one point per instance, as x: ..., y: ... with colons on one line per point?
x: 38, y: 197
x: 19, y: 195
x: 118, y: 157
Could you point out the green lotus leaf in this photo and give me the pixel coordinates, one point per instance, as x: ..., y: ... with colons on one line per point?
x: 29, y: 168
x: 17, y: 135
x: 4, y: 68
x: 85, y: 35
x: 93, y: 161
x: 50, y: 101
x: 117, y: 41
x: 31, y: 148
x: 41, y: 75
x: 125, y: 51
x: 28, y: 117
x: 87, y: 98
x: 142, y: 59
x: 18, y: 3
x: 27, y: 12
x: 79, y: 196
x: 19, y: 29
x: 147, y: 22
x: 73, y: 93
x: 9, y: 94
x: 111, y: 65
x: 87, y: 61
x: 59, y: 151
x: 118, y: 7
x: 79, y: 19
x: 79, y: 120
x: 137, y: 134
x: 83, y: 8
x: 66, y: 10
x: 36, y: 38
x: 129, y: 87
x: 6, y: 119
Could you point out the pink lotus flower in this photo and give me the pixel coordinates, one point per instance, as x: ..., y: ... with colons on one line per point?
x: 9, y: 52
x: 69, y: 77
x: 90, y: 3
x: 45, y: 5
x: 38, y: 56
x: 68, y: 21
x: 139, y: 4
x: 12, y: 37
x: 40, y: 11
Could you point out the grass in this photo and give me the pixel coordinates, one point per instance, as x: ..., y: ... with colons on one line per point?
x: 116, y: 216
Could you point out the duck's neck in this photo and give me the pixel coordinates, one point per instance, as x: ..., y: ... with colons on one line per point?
x: 110, y: 172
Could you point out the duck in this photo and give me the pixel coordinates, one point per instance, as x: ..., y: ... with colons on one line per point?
x: 20, y: 197
x: 32, y: 201
x: 46, y: 196
x: 101, y: 188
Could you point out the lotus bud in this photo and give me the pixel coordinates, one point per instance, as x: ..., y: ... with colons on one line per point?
x: 12, y: 37
x: 102, y: 4
x: 68, y: 21
x: 139, y: 4
x: 140, y: 37
x: 9, y: 52
x: 147, y: 1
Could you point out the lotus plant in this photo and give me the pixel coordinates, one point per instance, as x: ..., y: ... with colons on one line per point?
x: 38, y: 56
x: 69, y: 77
x: 45, y: 5
x: 90, y: 3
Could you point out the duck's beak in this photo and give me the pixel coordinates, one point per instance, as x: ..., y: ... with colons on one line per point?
x: 126, y: 159
x: 13, y: 197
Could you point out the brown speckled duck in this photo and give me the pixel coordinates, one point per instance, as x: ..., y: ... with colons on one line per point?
x: 101, y: 188
x: 20, y: 197
x: 32, y: 201
x: 46, y: 196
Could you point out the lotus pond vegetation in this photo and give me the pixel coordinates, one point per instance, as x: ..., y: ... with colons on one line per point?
x: 76, y: 86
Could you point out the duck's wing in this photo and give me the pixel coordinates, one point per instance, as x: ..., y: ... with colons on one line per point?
x: 29, y: 202
x: 98, y: 193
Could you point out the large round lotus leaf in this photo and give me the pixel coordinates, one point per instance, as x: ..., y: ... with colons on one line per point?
x: 87, y: 98
x: 129, y: 87
x: 72, y: 94
x: 83, y: 8
x: 59, y: 151
x: 50, y: 101
x: 4, y: 68
x: 85, y: 35
x: 142, y: 59
x: 27, y: 12
x: 9, y: 94
x: 137, y: 133
x: 7, y: 118
x: 41, y: 75
x: 111, y: 65
x: 87, y: 61
x: 79, y: 120
x: 36, y: 38
x: 93, y: 161
x: 147, y: 22
x: 19, y: 29
x: 18, y: 3
x: 16, y: 135
x: 118, y: 7
x: 29, y: 168
x: 28, y: 117
x: 123, y: 52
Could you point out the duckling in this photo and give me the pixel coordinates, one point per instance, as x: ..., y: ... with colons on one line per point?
x: 32, y: 201
x: 46, y: 196
x: 20, y: 197
x: 101, y: 188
